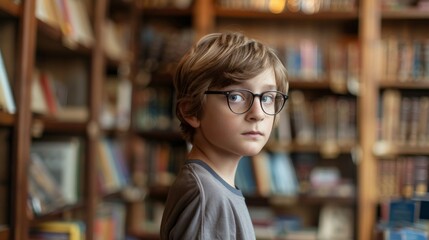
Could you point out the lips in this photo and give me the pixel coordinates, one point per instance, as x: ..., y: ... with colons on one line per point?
x: 254, y: 133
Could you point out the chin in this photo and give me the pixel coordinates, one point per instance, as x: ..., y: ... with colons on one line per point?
x: 252, y: 152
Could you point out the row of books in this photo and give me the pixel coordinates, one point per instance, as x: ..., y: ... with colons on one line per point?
x: 334, y: 222
x: 277, y: 174
x: 404, y: 219
x: 71, y: 17
x: 404, y: 60
x: 267, y: 174
x: 310, y: 60
x: 60, y: 89
x: 279, y: 6
x: 156, y: 163
x: 109, y: 225
x: 403, y: 119
x: 163, y: 161
x: 403, y: 177
x: 154, y: 109
x: 163, y: 46
x: 305, y: 58
x: 110, y: 222
x: 62, y: 92
x: 317, y: 120
x: 56, y: 171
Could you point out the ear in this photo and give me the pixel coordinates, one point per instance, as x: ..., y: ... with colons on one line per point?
x: 190, y: 119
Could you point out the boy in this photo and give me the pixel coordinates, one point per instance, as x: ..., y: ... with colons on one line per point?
x: 229, y: 90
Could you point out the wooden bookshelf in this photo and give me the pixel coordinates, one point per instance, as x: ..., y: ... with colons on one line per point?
x: 36, y: 41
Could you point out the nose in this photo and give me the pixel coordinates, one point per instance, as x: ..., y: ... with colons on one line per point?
x: 256, y: 113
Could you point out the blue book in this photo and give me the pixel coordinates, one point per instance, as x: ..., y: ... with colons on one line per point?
x: 403, y: 212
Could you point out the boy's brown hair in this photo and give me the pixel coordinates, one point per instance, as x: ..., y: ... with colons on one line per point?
x: 216, y: 61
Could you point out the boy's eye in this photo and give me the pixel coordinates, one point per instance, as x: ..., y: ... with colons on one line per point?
x: 236, y: 97
x: 267, y: 98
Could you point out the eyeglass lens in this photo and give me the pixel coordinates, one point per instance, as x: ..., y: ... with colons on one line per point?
x: 241, y: 101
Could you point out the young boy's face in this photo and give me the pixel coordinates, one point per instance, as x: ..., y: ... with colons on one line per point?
x: 232, y: 134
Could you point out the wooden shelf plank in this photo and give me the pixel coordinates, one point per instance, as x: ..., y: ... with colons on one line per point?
x: 51, y: 124
x: 386, y: 150
x: 4, y: 233
x: 55, y: 215
x: 166, y: 135
x: 6, y: 119
x: 404, y: 85
x: 314, y: 147
x: 144, y: 235
x: 163, y: 12
x: 404, y: 14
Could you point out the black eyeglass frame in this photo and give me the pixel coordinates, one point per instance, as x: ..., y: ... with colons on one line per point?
x: 227, y: 93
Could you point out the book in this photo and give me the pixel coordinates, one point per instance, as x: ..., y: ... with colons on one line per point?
x: 62, y: 157
x: 107, y: 174
x: 38, y: 101
x: 47, y: 12
x: 391, y: 113
x: 70, y: 230
x: 335, y: 222
x: 80, y: 25
x: 284, y: 180
x: 7, y: 101
x: 244, y: 178
x: 46, y: 83
x: 403, y: 212
x: 261, y: 167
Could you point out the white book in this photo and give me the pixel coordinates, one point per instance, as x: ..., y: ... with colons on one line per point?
x: 82, y: 31
x: 46, y: 12
x: 6, y: 97
x: 38, y: 102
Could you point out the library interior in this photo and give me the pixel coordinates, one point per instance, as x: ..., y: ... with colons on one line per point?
x: 90, y: 143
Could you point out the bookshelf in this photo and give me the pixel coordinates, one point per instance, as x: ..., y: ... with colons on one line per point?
x: 32, y: 44
x: 400, y: 142
x: 366, y: 25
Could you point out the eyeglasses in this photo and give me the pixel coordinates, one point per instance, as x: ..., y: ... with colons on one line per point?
x: 240, y: 101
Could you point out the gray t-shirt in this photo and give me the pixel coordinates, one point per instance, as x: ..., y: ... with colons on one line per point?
x: 201, y: 205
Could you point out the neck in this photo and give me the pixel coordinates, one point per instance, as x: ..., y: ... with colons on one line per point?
x: 224, y: 166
